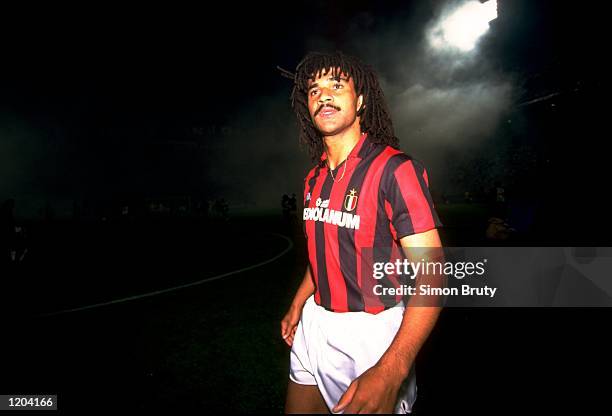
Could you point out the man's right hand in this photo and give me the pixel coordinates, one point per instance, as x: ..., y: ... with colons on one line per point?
x: 291, y: 320
x: 289, y: 324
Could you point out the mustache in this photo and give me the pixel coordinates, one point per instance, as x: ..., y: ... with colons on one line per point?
x: 326, y: 106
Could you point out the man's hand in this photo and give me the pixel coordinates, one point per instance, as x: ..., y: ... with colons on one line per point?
x: 289, y: 324
x: 375, y: 391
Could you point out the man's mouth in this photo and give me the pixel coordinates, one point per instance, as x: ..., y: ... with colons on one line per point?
x: 327, y: 112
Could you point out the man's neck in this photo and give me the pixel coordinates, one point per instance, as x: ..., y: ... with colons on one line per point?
x: 339, y: 146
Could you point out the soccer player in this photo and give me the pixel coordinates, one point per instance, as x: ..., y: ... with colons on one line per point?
x: 349, y: 352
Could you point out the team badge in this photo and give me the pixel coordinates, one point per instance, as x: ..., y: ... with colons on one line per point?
x: 350, y: 202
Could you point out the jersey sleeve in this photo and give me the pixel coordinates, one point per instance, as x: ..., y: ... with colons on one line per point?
x: 408, y: 202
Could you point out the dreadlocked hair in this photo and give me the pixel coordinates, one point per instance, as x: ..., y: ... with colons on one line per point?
x: 374, y: 113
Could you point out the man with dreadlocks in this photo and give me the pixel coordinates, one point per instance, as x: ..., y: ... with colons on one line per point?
x: 352, y: 351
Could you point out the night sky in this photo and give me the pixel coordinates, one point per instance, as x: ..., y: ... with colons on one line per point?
x: 117, y: 104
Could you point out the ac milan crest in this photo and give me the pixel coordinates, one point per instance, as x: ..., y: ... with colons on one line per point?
x: 350, y: 202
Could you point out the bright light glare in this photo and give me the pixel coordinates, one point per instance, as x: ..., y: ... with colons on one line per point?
x: 462, y: 28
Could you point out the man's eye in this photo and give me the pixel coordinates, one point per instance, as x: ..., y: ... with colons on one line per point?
x: 338, y: 86
x: 313, y: 92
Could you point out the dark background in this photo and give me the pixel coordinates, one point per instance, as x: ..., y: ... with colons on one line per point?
x: 108, y: 107
x: 104, y: 106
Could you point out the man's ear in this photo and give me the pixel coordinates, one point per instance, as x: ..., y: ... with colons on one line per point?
x: 359, y: 104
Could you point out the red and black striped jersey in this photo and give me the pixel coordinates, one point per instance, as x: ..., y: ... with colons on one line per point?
x: 382, y: 197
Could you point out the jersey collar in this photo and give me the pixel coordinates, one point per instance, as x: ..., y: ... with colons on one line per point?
x: 354, y: 152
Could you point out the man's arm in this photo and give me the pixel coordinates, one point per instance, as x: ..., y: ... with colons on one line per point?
x: 376, y: 389
x: 292, y: 317
x: 418, y: 321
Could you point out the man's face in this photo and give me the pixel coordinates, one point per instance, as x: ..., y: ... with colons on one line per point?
x: 333, y: 103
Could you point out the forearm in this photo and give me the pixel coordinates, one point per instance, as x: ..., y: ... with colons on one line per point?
x: 305, y: 290
x: 417, y: 324
x: 421, y: 311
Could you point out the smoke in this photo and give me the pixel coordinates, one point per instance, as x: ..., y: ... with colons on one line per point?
x: 32, y: 162
x: 443, y: 103
x: 261, y: 159
x: 449, y: 118
x: 23, y: 151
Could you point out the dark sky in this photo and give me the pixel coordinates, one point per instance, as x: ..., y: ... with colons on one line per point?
x: 105, y: 103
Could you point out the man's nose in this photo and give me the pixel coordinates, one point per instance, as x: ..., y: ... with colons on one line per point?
x: 325, y: 96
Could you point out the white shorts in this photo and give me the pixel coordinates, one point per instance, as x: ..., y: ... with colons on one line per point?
x: 332, y: 349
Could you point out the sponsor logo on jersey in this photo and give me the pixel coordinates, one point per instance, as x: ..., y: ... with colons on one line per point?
x: 331, y: 216
x: 322, y: 203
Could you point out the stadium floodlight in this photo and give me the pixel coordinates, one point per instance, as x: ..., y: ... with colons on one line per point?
x: 463, y: 26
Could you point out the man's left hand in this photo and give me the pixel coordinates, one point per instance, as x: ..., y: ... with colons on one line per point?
x: 375, y: 391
